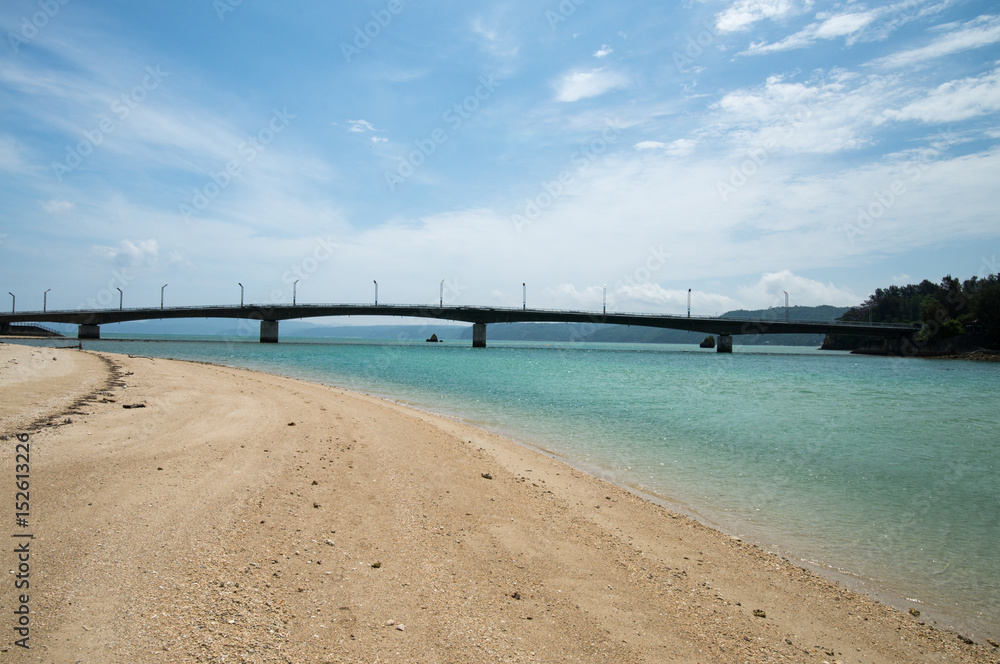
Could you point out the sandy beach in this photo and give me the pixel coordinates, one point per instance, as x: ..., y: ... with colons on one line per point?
x: 183, y: 512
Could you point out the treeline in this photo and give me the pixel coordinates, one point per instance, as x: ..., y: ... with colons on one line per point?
x: 947, y: 309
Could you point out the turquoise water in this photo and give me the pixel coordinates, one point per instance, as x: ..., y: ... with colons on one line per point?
x: 882, y: 468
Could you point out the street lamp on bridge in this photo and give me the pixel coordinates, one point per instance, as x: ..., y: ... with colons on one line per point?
x: 786, y: 305
x: 13, y: 301
x: 689, y: 303
x: 161, y: 294
x: 241, y: 293
x: 441, y: 301
x: 605, y: 307
x: 293, y: 291
x: 524, y: 295
x: 121, y: 298
x: 376, y: 292
x: 45, y: 298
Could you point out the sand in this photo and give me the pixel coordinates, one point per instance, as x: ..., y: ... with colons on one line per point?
x: 243, y: 517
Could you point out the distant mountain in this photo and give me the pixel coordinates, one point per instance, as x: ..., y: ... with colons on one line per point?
x: 823, y: 312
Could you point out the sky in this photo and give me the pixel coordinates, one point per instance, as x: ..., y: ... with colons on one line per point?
x: 561, y: 151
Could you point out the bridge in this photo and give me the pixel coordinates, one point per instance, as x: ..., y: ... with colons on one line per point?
x: 90, y: 320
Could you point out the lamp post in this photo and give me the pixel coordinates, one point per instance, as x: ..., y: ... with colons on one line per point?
x: 121, y: 298
x: 786, y: 305
x: 604, y: 309
x: 241, y: 293
x: 293, y: 291
x: 524, y: 295
x: 689, y: 303
x: 441, y: 301
x: 13, y: 301
x: 161, y: 294
x: 45, y: 300
x: 376, y: 292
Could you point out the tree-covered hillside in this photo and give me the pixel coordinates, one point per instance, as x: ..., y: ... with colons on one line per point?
x: 948, y: 309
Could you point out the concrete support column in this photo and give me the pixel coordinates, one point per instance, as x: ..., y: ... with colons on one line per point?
x: 479, y: 335
x: 88, y: 332
x: 269, y: 331
x: 724, y: 344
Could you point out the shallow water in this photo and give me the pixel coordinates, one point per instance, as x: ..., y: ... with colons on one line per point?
x: 883, y: 468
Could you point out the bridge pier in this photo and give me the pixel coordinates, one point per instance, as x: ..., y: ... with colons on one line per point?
x: 724, y: 344
x: 269, y: 331
x: 479, y: 335
x: 4, y: 328
x: 88, y: 332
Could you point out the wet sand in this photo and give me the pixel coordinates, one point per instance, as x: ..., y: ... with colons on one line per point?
x: 242, y: 517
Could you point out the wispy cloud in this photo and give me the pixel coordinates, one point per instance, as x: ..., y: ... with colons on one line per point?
x: 744, y: 13
x: 982, y: 31
x: 128, y: 253
x: 57, y: 206
x: 841, y: 25
x: 954, y: 101
x: 829, y: 114
x: 679, y: 147
x: 769, y: 291
x: 582, y: 84
x: 360, y: 126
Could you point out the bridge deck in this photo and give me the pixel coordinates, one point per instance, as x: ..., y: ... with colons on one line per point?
x: 467, y: 314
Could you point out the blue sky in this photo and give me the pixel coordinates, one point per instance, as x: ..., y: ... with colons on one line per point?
x: 739, y: 148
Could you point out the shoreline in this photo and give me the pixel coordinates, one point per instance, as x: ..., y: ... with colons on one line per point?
x: 576, y: 514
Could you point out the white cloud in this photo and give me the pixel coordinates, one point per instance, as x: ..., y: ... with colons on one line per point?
x: 769, y: 291
x: 379, y: 139
x: 360, y: 126
x: 131, y: 254
x: 844, y: 24
x: 954, y: 101
x: 872, y: 24
x: 744, y: 13
x: 652, y: 296
x: 840, y: 25
x: 821, y: 116
x: 57, y: 206
x: 977, y: 33
x: 680, y: 147
x: 582, y: 84
x: 603, y: 51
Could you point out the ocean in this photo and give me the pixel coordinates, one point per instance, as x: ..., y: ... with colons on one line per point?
x: 881, y: 471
